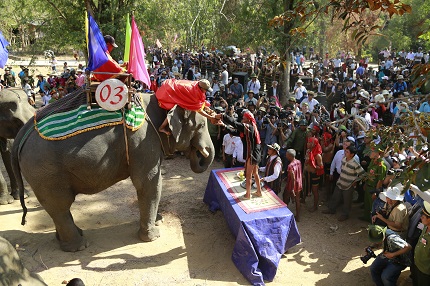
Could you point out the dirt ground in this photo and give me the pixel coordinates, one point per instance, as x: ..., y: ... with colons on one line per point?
x: 195, y: 246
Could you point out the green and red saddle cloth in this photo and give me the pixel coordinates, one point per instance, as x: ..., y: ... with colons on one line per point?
x: 69, y: 116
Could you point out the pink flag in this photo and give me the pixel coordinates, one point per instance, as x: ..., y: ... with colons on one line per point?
x: 176, y: 37
x: 137, y: 65
x: 158, y: 44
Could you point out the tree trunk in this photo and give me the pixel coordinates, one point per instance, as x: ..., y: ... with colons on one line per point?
x: 285, y: 58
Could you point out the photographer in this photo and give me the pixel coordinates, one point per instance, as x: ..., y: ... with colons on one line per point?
x: 388, y: 265
x: 394, y: 214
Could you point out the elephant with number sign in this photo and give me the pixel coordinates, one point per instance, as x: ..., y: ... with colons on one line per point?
x: 14, y: 113
x: 92, y: 161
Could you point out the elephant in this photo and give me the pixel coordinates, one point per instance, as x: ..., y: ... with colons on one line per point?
x: 15, y: 111
x: 12, y: 271
x: 92, y: 161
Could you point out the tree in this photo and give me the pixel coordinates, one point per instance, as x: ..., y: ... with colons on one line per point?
x: 298, y: 16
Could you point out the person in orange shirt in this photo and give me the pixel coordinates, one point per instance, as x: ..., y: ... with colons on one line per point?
x: 190, y: 95
x: 111, y: 65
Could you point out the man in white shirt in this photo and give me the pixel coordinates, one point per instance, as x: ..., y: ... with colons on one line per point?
x: 311, y: 101
x: 336, y: 164
x: 238, y: 160
x: 273, y: 168
x: 227, y: 150
x: 224, y: 75
x: 254, y: 84
x: 298, y: 91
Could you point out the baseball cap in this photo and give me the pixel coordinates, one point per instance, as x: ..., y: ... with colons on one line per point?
x: 204, y: 83
x: 111, y: 40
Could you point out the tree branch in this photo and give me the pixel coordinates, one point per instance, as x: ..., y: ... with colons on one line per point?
x: 57, y: 9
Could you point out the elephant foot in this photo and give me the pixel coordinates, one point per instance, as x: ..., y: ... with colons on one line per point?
x: 159, y: 220
x: 78, y: 245
x: 15, y: 194
x: 6, y: 199
x: 149, y: 235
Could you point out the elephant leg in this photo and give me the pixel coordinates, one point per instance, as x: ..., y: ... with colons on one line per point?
x: 57, y: 205
x: 148, y: 189
x: 5, y: 198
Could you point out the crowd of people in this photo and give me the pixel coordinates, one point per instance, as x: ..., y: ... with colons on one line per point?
x: 325, y: 141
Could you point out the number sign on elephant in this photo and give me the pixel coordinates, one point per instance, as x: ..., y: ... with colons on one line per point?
x: 112, y: 94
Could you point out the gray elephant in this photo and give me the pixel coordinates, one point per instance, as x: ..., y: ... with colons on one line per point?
x: 92, y: 161
x: 14, y: 113
x: 12, y: 271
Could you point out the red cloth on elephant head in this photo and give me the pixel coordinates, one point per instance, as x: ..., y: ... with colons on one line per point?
x: 187, y: 94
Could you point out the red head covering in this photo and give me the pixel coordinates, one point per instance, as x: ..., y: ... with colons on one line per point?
x: 327, y: 137
x: 248, y: 115
x: 316, y: 149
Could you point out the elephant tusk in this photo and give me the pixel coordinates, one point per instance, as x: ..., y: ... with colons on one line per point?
x: 204, y: 152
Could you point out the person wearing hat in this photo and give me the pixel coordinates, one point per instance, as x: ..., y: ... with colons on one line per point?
x: 399, y: 86
x: 387, y: 266
x: 299, y: 89
x: 310, y: 100
x: 9, y: 78
x: 80, y: 78
x: 376, y: 172
x: 248, y: 131
x: 42, y: 84
x: 253, y: 84
x: 251, y: 98
x: 297, y: 140
x: 395, y: 213
x: 111, y: 66
x: 273, y: 168
x: 190, y: 95
x: 420, y: 270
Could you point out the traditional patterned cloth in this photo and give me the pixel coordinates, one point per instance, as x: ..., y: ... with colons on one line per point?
x: 232, y: 182
x: 69, y: 116
x: 187, y: 94
x: 295, y: 188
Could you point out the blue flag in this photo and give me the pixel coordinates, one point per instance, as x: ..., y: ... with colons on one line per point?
x: 4, y: 53
x: 96, y: 45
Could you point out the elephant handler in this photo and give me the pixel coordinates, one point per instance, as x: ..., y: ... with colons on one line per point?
x: 248, y: 132
x: 190, y: 95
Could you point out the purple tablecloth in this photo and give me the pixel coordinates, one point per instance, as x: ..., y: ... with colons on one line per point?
x: 261, y: 237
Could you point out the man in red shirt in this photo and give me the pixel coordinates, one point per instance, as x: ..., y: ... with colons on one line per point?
x: 111, y: 65
x: 294, y: 181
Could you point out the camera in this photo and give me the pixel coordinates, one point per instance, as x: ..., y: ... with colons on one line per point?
x: 369, y: 254
x: 266, y: 119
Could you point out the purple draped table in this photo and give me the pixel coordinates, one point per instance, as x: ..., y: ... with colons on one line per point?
x: 261, y: 237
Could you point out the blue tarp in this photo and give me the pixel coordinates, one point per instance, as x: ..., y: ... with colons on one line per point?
x: 261, y: 237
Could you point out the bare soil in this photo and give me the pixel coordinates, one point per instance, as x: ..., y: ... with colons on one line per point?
x: 195, y: 246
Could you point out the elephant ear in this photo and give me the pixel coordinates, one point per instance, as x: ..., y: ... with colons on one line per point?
x: 177, y: 117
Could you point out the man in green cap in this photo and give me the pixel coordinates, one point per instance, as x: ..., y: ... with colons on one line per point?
x: 376, y: 172
x: 297, y: 140
x: 396, y: 256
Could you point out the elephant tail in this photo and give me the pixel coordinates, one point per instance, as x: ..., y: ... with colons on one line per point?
x: 17, y: 172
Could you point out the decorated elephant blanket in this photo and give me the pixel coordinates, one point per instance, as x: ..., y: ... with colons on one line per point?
x: 69, y: 116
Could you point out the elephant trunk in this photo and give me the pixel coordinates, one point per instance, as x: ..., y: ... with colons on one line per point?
x: 201, y: 157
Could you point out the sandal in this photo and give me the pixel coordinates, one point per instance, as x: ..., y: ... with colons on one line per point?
x: 244, y: 198
x: 256, y: 195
